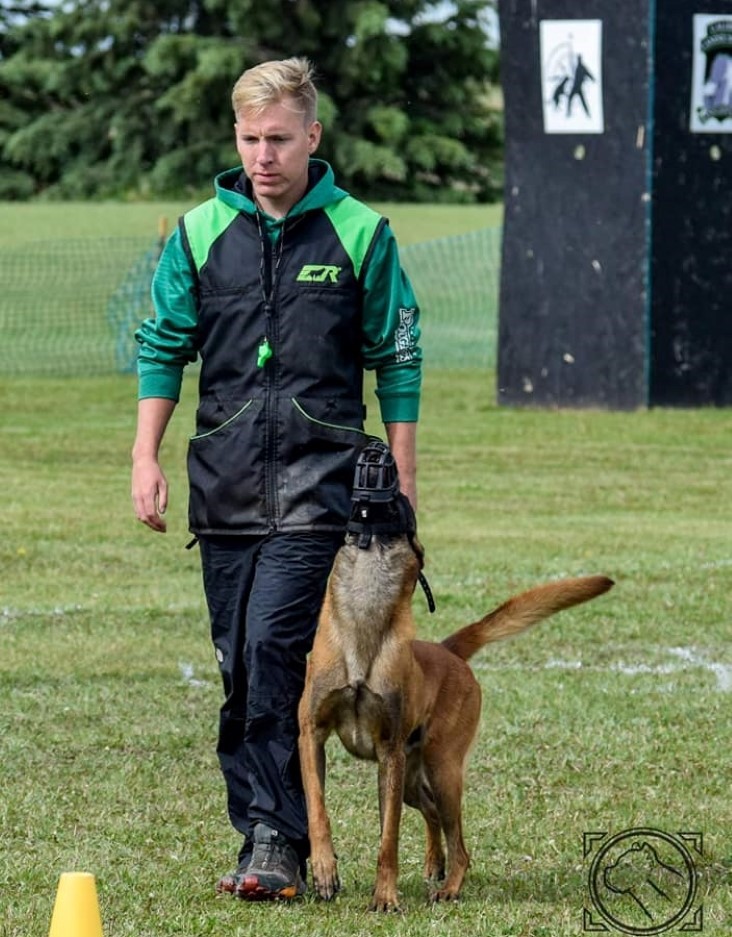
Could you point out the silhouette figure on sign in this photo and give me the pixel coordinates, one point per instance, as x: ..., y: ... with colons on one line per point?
x: 560, y: 91
x: 580, y: 76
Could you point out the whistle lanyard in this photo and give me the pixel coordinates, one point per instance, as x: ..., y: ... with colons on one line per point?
x: 269, y: 266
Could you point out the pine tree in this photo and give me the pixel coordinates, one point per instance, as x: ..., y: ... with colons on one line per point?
x: 132, y: 97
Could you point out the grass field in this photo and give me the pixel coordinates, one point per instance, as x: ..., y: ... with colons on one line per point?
x: 21, y: 222
x: 610, y: 716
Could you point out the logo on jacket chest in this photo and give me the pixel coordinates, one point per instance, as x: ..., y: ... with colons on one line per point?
x: 318, y: 273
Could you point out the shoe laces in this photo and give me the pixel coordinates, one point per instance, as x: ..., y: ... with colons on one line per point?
x: 269, y: 854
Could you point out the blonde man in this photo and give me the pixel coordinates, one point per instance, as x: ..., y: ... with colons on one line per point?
x: 286, y: 288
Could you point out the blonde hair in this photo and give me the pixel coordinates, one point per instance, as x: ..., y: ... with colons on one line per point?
x: 270, y: 82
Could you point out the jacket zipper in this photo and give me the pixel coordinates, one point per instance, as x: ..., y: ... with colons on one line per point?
x: 269, y: 274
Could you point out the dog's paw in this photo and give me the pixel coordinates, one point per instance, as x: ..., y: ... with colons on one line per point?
x: 385, y: 901
x: 326, y: 882
x: 385, y: 907
x: 444, y: 894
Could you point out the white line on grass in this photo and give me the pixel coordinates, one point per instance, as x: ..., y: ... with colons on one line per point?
x: 687, y: 659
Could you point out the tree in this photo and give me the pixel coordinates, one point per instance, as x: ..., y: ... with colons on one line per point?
x: 14, y: 182
x: 132, y: 97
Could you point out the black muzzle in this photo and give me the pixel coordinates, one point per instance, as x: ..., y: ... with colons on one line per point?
x: 378, y: 506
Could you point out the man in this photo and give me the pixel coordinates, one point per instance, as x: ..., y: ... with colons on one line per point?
x: 287, y: 288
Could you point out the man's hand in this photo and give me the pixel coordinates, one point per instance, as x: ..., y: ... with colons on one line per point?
x: 150, y: 493
x: 149, y: 485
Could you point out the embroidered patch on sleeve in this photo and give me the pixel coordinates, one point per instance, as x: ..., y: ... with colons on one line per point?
x: 404, y: 342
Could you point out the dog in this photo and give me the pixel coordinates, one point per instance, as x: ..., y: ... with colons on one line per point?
x: 412, y: 706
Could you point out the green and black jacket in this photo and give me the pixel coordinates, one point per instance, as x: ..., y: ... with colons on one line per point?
x: 284, y: 314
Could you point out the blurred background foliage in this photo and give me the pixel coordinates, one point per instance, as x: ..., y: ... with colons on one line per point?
x: 131, y: 98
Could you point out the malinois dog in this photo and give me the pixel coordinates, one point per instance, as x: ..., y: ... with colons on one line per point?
x: 412, y: 706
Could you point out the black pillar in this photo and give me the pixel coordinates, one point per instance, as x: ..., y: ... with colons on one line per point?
x: 616, y: 278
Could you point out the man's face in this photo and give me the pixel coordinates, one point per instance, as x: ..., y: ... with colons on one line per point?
x: 275, y: 145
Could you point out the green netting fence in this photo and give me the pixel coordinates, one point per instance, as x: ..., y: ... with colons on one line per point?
x: 456, y: 280
x: 70, y: 308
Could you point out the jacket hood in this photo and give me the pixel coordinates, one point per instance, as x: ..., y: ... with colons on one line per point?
x: 233, y: 188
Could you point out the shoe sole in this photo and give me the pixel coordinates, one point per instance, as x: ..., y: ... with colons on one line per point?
x: 226, y: 886
x: 251, y: 889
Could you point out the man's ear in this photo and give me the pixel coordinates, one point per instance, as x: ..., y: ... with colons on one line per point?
x: 315, y: 131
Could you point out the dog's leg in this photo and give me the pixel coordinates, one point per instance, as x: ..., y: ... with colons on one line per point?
x: 392, y: 761
x: 446, y: 780
x: 445, y: 758
x: 323, y: 860
x: 417, y: 794
x: 434, y: 859
x: 458, y: 858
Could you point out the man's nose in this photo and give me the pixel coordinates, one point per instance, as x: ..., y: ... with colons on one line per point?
x: 264, y: 151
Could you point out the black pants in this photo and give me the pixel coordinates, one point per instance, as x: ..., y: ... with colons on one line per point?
x: 264, y: 595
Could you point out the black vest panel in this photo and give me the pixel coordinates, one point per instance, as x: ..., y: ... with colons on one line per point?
x: 277, y: 439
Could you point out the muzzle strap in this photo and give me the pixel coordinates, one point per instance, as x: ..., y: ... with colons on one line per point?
x: 427, y: 591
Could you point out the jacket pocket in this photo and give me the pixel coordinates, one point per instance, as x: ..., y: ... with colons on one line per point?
x: 215, y: 414
x: 226, y: 467
x: 321, y: 441
x: 330, y: 417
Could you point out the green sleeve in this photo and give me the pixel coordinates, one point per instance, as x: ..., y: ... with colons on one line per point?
x: 168, y: 340
x: 391, y: 332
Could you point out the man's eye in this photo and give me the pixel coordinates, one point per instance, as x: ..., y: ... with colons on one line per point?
x: 251, y: 141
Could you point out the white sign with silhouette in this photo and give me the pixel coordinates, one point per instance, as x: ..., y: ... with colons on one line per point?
x: 571, y: 75
x: 711, y: 85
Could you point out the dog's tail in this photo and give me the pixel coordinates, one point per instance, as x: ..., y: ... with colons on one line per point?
x: 525, y: 610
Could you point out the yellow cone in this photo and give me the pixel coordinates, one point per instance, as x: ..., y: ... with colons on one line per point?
x: 76, y: 911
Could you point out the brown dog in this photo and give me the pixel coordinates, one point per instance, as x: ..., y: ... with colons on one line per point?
x: 412, y: 706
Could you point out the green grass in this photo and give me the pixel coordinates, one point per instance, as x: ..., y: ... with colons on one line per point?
x: 612, y: 715
x: 23, y: 222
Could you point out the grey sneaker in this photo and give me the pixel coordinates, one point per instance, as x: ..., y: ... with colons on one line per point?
x: 228, y: 883
x: 274, y: 871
